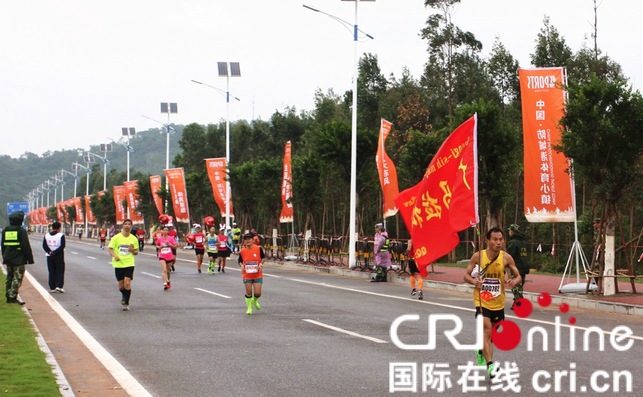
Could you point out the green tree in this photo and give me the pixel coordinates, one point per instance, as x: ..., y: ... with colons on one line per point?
x: 551, y: 49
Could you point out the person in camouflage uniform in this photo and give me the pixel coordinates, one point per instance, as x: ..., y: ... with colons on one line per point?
x: 16, y: 253
x: 517, y: 248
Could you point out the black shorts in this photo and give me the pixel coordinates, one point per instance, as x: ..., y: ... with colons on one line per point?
x: 413, y: 269
x: 199, y: 251
x: 213, y: 255
x: 494, y: 315
x: 122, y: 272
x: 224, y: 254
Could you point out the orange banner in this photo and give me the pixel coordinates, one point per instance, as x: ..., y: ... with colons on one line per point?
x: 176, y: 181
x: 119, y: 195
x: 387, y: 172
x: 548, y: 187
x: 286, y: 215
x: 90, y: 215
x: 80, y: 217
x: 60, y: 212
x: 133, y: 201
x: 445, y: 202
x: 217, y: 174
x: 155, y: 186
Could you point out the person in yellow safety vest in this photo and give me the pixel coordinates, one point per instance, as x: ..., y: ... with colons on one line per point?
x: 382, y: 256
x: 236, y: 236
x: 16, y: 253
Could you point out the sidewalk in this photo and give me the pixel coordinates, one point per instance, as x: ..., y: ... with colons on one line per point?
x: 451, y: 278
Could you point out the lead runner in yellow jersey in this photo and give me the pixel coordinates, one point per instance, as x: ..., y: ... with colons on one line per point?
x: 486, y: 272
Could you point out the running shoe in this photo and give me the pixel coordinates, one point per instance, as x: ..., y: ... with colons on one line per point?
x: 420, y: 295
x: 199, y: 270
x: 219, y: 269
x: 223, y: 270
x: 173, y: 268
x: 255, y: 302
x: 60, y: 290
x: 169, y: 285
x: 166, y: 286
x: 414, y: 292
x: 53, y: 290
x: 125, y: 305
x: 480, y: 358
x: 491, y: 370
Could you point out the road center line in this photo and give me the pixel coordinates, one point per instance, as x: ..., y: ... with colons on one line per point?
x: 213, y: 293
x: 351, y: 333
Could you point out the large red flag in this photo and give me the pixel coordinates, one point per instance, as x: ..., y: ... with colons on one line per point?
x: 217, y: 173
x: 133, y: 201
x: 387, y: 172
x: 548, y: 185
x: 176, y: 181
x: 446, y: 200
x: 286, y: 215
x: 155, y: 186
x: 119, y: 196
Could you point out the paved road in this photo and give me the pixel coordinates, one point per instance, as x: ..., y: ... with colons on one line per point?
x: 317, y: 335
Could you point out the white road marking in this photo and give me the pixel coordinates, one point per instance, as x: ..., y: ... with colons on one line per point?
x: 213, y: 293
x: 91, y: 257
x: 124, y: 378
x: 351, y: 333
x: 151, y: 275
x: 74, y: 252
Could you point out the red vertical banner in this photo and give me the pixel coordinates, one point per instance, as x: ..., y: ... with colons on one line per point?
x: 90, y: 215
x: 217, y: 173
x: 60, y: 211
x: 80, y: 217
x: 176, y: 180
x: 387, y: 172
x: 133, y: 201
x: 155, y: 186
x: 548, y: 187
x: 446, y: 200
x: 286, y: 215
x: 119, y: 195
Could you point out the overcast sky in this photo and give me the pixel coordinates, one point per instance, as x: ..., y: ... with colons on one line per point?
x: 73, y: 72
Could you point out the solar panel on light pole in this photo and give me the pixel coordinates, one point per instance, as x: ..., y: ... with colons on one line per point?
x: 235, y: 71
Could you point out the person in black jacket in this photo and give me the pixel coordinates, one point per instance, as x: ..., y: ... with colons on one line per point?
x: 54, y: 245
x: 517, y: 248
x: 16, y: 253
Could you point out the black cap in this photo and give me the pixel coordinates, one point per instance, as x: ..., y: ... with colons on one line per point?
x: 247, y: 235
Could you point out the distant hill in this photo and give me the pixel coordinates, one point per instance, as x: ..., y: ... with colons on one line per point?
x: 20, y: 176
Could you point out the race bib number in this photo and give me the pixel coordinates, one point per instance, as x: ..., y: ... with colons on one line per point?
x: 222, y: 245
x: 212, y: 247
x: 252, y: 267
x: 123, y: 250
x: 198, y: 239
x: 166, y: 250
x: 490, y: 288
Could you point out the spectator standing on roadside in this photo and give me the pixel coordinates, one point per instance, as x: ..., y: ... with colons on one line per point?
x: 236, y: 237
x: 517, y: 248
x: 382, y: 256
x: 16, y: 253
x: 54, y: 245
x: 123, y: 247
x: 251, y: 258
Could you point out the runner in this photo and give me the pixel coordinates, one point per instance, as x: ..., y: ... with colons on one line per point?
x: 223, y: 251
x: 199, y: 249
x: 140, y: 235
x: 251, y: 258
x: 165, y: 244
x: 102, y: 237
x: 173, y: 233
x: 211, y: 242
x: 415, y: 273
x: 489, y: 291
x: 122, y: 249
x: 236, y: 236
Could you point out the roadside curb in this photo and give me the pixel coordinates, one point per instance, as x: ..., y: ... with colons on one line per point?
x: 572, y: 301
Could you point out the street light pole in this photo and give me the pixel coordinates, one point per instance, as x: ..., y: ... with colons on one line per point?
x: 169, y: 108
x: 89, y: 171
x: 235, y: 71
x: 227, y: 138
x: 352, y: 233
